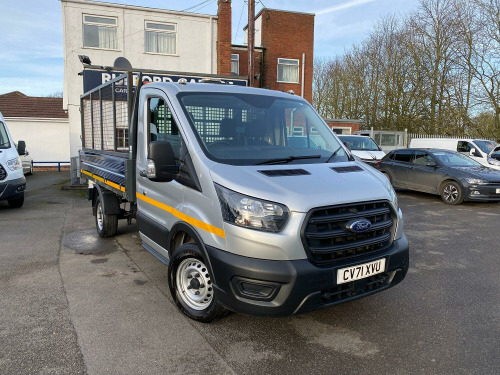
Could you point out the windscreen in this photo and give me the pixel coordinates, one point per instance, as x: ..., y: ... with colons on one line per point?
x: 455, y: 159
x: 247, y: 129
x: 360, y: 143
x: 4, y: 138
x: 486, y: 146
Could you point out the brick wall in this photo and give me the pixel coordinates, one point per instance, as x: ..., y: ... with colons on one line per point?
x: 287, y: 35
x: 224, y: 37
x: 244, y: 63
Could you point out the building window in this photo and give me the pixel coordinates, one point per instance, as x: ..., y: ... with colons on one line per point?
x: 100, y: 32
x: 235, y: 64
x: 161, y: 38
x: 122, y: 139
x: 288, y: 70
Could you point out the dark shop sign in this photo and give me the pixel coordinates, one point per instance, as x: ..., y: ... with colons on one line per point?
x: 94, y: 78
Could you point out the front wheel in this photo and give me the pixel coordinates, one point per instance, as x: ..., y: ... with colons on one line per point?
x: 191, y: 287
x: 452, y: 193
x: 106, y: 225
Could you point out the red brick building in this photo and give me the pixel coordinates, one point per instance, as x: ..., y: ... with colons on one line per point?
x: 283, y: 53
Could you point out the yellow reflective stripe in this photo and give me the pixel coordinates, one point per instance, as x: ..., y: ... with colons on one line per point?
x: 188, y: 219
x: 107, y: 182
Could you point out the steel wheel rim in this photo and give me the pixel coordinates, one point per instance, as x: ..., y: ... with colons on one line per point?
x: 99, y: 216
x: 450, y: 193
x: 193, y: 284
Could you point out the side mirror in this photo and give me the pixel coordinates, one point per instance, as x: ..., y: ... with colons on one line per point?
x: 432, y: 164
x: 21, y: 148
x: 161, y: 165
x: 476, y: 153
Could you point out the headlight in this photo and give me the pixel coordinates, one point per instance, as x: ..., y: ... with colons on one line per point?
x: 14, y: 164
x: 493, y: 161
x: 476, y: 181
x: 249, y: 212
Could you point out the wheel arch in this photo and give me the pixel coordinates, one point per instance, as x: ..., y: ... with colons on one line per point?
x: 177, y: 237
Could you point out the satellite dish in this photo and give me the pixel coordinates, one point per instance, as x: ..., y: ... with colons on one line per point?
x: 122, y: 62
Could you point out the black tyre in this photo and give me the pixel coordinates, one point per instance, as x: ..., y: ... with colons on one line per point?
x: 452, y: 192
x: 106, y: 225
x: 17, y: 202
x: 191, y: 286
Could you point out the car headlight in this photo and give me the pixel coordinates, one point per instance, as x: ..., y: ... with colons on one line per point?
x: 493, y: 161
x: 249, y: 212
x: 15, y: 164
x: 476, y: 181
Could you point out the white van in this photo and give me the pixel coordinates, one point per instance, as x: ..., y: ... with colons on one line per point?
x: 12, y: 180
x: 477, y: 149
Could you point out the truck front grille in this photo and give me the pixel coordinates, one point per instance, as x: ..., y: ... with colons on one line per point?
x: 326, y: 236
x: 3, y: 173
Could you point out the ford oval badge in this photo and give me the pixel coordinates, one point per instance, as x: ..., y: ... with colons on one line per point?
x: 358, y: 225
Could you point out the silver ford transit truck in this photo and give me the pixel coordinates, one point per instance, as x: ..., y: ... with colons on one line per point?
x: 247, y: 218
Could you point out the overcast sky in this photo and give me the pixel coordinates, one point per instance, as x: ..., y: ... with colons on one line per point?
x: 31, y: 52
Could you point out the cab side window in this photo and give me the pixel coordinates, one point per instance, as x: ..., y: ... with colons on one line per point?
x: 161, y: 125
x: 463, y: 146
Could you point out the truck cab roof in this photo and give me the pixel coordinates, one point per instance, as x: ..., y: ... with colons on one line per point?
x: 175, y: 87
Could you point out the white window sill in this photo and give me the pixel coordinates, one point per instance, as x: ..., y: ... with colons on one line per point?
x: 296, y: 83
x: 161, y: 54
x: 102, y: 49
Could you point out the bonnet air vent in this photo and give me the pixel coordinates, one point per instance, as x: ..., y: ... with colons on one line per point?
x: 284, y: 172
x: 353, y: 168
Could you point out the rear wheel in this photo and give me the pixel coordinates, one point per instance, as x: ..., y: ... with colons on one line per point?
x: 17, y: 202
x: 452, y: 193
x: 191, y: 287
x: 106, y: 225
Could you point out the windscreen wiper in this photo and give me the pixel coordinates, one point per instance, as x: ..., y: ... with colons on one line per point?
x: 288, y: 159
x: 333, y: 155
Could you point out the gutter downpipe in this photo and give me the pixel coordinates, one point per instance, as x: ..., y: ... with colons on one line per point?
x: 303, y: 74
x: 211, y: 46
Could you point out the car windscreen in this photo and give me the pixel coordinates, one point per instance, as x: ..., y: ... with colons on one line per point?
x: 455, y: 159
x: 486, y: 146
x: 4, y: 138
x: 249, y: 129
x: 360, y: 143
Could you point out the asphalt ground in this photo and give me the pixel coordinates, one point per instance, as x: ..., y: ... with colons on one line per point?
x: 71, y: 302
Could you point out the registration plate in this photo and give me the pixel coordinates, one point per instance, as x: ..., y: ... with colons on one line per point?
x: 360, y: 271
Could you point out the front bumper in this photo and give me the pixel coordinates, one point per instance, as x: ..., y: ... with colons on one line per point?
x: 280, y: 288
x: 483, y: 193
x: 12, y: 189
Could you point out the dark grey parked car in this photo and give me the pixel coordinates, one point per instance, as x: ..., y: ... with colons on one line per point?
x: 452, y: 175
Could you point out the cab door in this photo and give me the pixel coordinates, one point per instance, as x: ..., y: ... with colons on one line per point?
x: 157, y: 202
x: 465, y: 147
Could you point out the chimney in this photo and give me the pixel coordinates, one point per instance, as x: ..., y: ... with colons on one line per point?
x: 224, y: 37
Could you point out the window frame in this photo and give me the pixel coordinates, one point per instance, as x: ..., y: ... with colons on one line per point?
x: 175, y: 32
x: 99, y: 24
x: 278, y: 67
x: 237, y: 60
